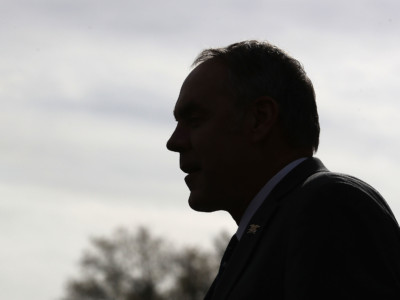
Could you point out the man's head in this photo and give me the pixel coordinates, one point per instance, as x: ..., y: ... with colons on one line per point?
x: 260, y: 69
x: 243, y: 113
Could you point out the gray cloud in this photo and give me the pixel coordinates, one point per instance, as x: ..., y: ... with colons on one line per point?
x: 87, y: 90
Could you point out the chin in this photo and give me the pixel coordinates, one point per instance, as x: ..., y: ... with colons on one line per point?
x: 201, y: 203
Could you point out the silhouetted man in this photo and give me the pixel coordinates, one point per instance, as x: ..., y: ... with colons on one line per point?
x: 247, y: 129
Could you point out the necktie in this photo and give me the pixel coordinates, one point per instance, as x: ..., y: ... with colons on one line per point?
x: 224, y: 262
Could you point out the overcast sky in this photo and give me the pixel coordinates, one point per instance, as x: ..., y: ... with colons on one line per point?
x: 87, y: 90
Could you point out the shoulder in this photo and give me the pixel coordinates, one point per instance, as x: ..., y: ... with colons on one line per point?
x: 337, y: 189
x: 343, y: 203
x: 342, y: 237
x: 328, y: 180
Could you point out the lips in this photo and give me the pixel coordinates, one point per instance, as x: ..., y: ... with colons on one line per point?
x: 189, y: 168
x: 190, y: 180
x: 192, y: 171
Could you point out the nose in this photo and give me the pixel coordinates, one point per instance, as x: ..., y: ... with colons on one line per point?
x: 179, y: 140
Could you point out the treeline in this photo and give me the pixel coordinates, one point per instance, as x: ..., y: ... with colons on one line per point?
x: 135, y: 265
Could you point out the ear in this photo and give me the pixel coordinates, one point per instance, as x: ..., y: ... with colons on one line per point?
x: 265, y: 112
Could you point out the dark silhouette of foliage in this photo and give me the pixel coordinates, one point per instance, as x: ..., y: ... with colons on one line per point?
x: 193, y: 275
x: 139, y: 266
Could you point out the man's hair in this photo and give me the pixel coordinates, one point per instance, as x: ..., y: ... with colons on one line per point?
x: 260, y: 69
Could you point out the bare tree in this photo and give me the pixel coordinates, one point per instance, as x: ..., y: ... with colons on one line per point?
x: 194, y: 272
x: 138, y: 266
x: 128, y: 266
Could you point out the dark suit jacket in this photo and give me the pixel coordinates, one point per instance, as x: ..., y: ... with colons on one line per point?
x: 322, y: 236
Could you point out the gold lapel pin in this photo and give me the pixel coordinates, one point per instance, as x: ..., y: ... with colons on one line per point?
x: 253, y: 228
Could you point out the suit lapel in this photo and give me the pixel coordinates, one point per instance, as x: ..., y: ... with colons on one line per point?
x: 259, y: 223
x: 242, y: 254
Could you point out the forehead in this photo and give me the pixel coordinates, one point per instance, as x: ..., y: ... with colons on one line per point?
x: 206, y: 86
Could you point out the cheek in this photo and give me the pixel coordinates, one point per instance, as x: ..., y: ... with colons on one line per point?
x: 217, y: 148
x: 215, y: 157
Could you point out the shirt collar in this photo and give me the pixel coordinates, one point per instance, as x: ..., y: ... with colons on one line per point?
x: 263, y: 194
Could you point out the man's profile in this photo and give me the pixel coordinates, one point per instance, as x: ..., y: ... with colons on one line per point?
x: 247, y: 130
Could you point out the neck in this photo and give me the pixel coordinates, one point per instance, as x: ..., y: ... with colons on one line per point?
x: 261, y: 173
